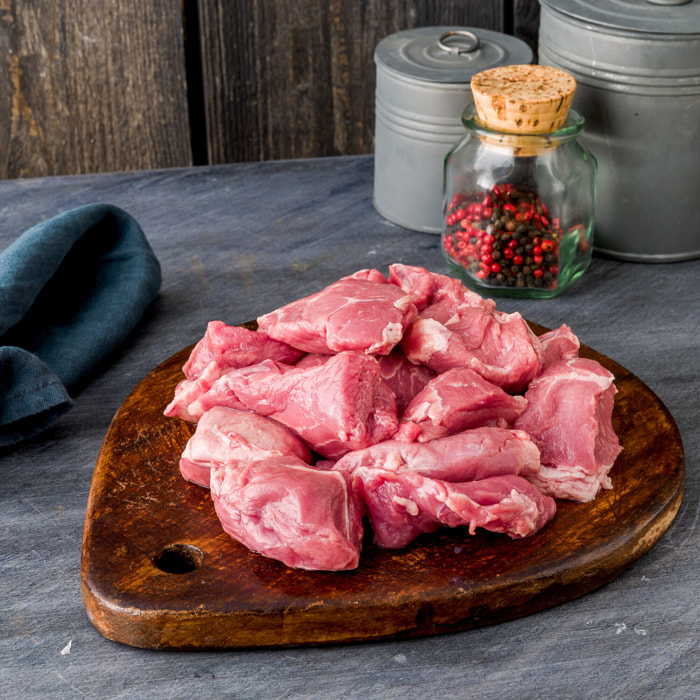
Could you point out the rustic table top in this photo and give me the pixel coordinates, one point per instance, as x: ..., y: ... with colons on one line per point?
x: 237, y: 241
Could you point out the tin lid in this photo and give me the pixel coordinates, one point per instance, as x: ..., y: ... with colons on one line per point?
x: 448, y: 54
x: 649, y: 16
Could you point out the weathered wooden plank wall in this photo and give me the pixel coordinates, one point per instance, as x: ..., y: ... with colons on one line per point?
x: 306, y: 70
x: 88, y: 86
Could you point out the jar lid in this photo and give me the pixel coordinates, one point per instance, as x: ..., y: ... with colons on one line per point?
x: 523, y: 99
x: 448, y: 54
x: 652, y: 16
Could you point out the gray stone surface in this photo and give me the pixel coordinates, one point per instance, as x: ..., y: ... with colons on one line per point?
x: 234, y: 242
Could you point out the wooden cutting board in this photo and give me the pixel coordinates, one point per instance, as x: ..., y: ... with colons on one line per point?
x: 159, y: 572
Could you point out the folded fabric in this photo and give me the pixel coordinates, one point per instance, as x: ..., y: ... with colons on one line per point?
x: 71, y: 289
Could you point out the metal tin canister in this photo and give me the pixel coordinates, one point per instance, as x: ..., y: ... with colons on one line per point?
x: 423, y: 78
x: 637, y: 66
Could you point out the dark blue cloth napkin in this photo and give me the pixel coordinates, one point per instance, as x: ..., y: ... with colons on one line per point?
x: 71, y: 289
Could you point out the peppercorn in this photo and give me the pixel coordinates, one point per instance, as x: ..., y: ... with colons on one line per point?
x: 504, y: 236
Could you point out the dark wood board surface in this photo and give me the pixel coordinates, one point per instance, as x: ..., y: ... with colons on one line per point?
x: 159, y: 572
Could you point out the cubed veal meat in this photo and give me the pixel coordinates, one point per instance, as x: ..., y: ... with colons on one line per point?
x: 558, y: 344
x: 436, y: 296
x: 235, y: 346
x: 403, y: 505
x: 457, y: 400
x: 466, y: 456
x: 361, y: 312
x: 569, y: 416
x: 289, y: 511
x: 235, y: 438
x: 499, y: 347
x: 336, y: 406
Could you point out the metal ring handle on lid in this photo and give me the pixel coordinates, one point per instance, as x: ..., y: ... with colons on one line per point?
x: 459, y: 48
x: 668, y: 2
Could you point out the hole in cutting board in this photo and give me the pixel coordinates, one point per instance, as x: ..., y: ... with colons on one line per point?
x: 179, y: 558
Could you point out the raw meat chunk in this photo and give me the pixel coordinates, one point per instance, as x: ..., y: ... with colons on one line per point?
x: 227, y: 436
x: 403, y: 377
x: 188, y: 394
x: 569, y: 416
x: 503, y: 342
x: 360, y: 312
x: 312, y: 359
x: 235, y: 346
x: 402, y: 505
x: 558, y: 344
x: 338, y: 406
x: 457, y: 400
x: 435, y: 296
x: 289, y: 511
x: 499, y: 347
x: 467, y: 330
x: 466, y: 456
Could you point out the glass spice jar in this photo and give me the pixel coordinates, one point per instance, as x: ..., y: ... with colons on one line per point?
x: 519, y: 206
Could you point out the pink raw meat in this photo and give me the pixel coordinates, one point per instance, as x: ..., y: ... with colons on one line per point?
x: 468, y: 330
x: 403, y: 505
x: 558, y: 344
x: 403, y: 377
x: 312, y: 359
x: 435, y: 296
x: 188, y: 394
x: 466, y: 456
x: 235, y: 346
x: 360, y: 312
x: 569, y: 416
x: 499, y: 347
x: 456, y: 400
x: 289, y: 511
x: 236, y: 438
x: 338, y: 406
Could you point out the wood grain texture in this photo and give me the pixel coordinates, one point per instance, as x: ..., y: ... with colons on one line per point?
x: 526, y: 22
x: 159, y: 572
x: 89, y: 86
x: 294, y: 80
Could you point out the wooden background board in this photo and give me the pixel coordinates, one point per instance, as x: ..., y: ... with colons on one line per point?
x: 91, y: 86
x: 88, y: 86
x: 143, y: 520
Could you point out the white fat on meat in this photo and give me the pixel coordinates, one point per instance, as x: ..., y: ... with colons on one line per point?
x: 286, y: 510
x: 236, y: 438
x: 403, y: 505
x: 466, y: 456
x: 569, y: 416
x: 362, y: 312
x: 457, y: 400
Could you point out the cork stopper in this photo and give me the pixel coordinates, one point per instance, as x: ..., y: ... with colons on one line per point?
x: 523, y: 99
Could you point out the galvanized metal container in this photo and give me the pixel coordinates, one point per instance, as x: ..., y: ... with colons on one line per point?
x: 423, y: 78
x: 637, y: 65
